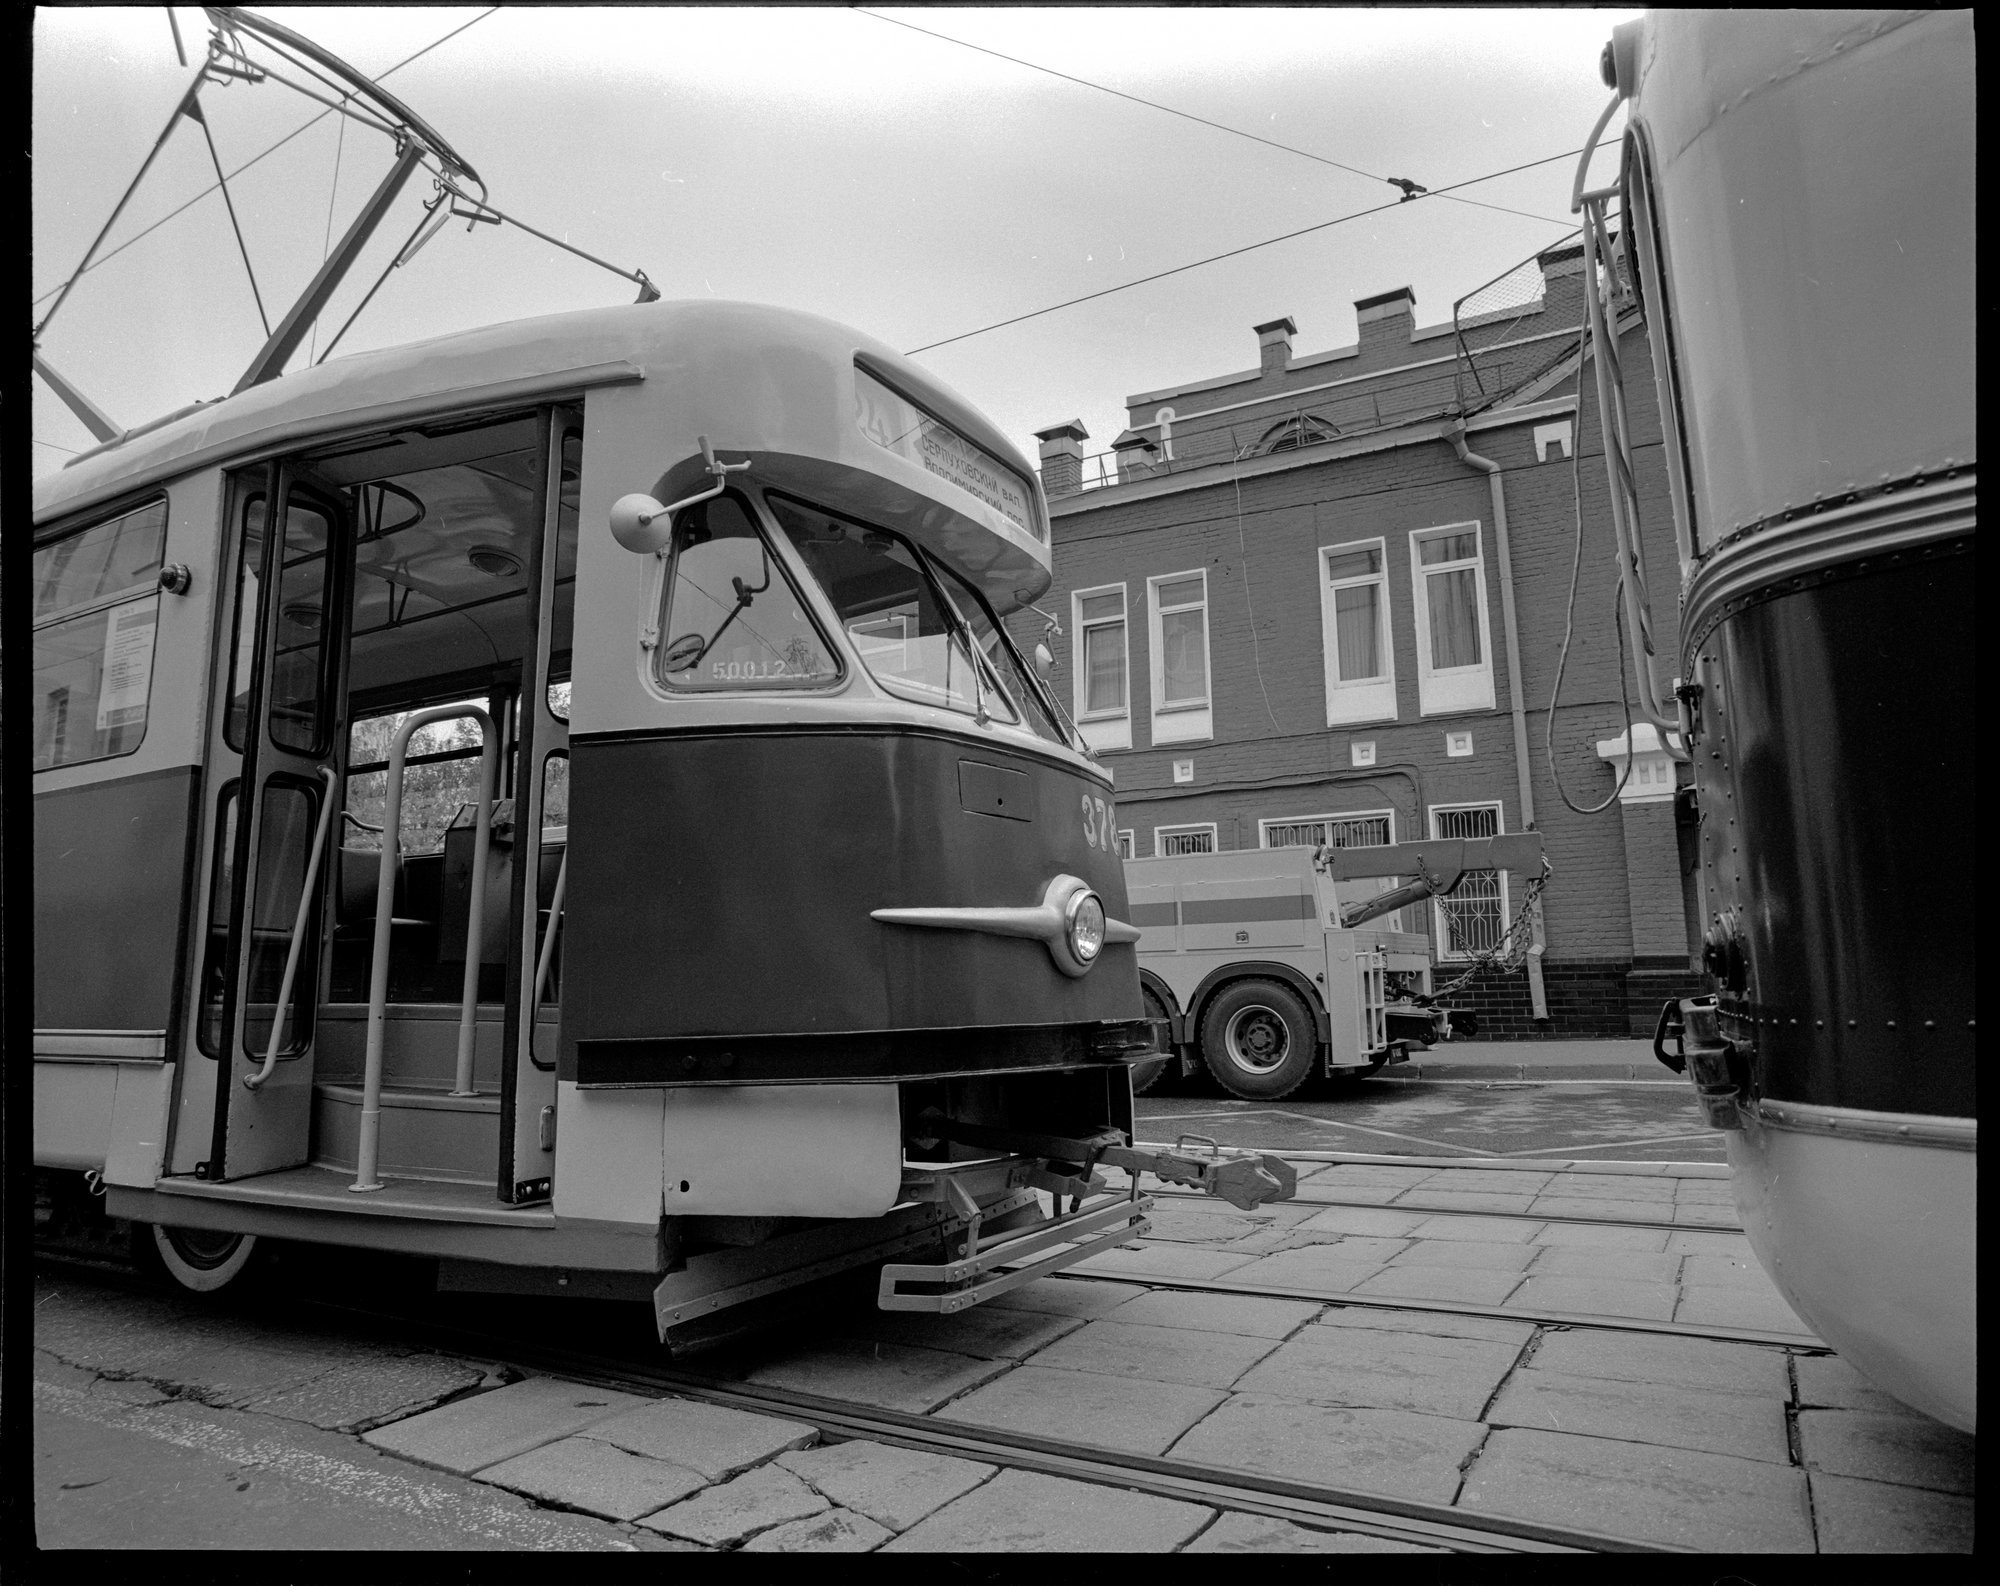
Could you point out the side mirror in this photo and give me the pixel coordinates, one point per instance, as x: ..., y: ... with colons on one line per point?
x: 640, y: 524
x: 1045, y: 663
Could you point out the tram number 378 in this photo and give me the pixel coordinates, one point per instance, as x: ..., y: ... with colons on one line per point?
x: 1097, y: 823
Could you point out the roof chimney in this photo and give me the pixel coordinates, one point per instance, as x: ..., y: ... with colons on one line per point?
x: 1274, y: 345
x: 1062, y: 457
x: 1388, y: 316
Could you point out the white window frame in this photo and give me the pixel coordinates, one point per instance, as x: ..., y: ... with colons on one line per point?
x: 1264, y: 826
x: 1443, y: 691
x: 1188, y: 721
x: 1127, y: 846
x: 1370, y: 699
x: 1103, y: 729
x: 1439, y: 925
x: 1160, y: 833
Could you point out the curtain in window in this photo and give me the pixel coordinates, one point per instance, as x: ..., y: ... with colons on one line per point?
x: 1357, y: 626
x: 1182, y: 659
x: 1104, y: 667
x: 1454, y: 618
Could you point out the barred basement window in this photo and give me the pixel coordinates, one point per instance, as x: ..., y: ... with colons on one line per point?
x: 1170, y: 842
x: 1336, y: 831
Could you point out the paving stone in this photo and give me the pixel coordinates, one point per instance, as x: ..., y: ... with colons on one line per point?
x: 1066, y: 1296
x: 1673, y: 1415
x: 1243, y: 1315
x: 1381, y: 1370
x: 1362, y: 1220
x: 1311, y: 1269
x: 1705, y: 1192
x: 1612, y: 1187
x: 1086, y: 1407
x: 1439, y: 1324
x: 470, y: 1434
x: 754, y: 1501
x: 1739, y: 1307
x: 1635, y: 1211
x: 710, y: 1438
x: 1344, y: 1173
x: 1704, y: 1243
x: 583, y: 1473
x: 1258, y: 1533
x: 1714, y: 1503
x: 981, y: 1332
x: 1462, y: 1285
x: 1653, y: 1302
x: 1699, y: 1363
x: 894, y: 1376
x: 1368, y: 1194
x: 1199, y: 1221
x: 1162, y: 1261
x: 1584, y: 1261
x: 1499, y: 1230
x: 836, y: 1531
x: 361, y: 1395
x: 1828, y: 1382
x: 1458, y: 1253
x: 1506, y: 1181
x: 1607, y: 1236
x: 1371, y: 1248
x: 1707, y: 1216
x: 1392, y: 1452
x: 1019, y: 1511
x: 1742, y: 1270
x: 1878, y: 1517
x: 1119, y: 1348
x: 1913, y: 1451
x: 895, y: 1487
x: 1425, y: 1198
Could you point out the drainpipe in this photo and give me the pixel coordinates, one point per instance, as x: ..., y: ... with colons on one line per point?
x: 1455, y: 433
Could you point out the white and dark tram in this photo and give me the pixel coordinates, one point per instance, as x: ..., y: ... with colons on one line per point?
x: 560, y: 799
x: 1797, y: 192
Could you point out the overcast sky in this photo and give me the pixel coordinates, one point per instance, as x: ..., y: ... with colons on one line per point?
x: 828, y: 160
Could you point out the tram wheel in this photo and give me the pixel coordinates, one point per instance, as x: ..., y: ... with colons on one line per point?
x: 1148, y: 1073
x: 201, y: 1259
x: 1258, y: 1040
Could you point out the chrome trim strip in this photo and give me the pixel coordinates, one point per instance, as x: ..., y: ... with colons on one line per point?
x: 1046, y: 922
x: 1882, y: 1128
x: 1881, y: 524
x: 139, y: 1046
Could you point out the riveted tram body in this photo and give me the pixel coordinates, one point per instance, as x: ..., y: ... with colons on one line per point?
x: 1799, y: 193
x: 422, y: 866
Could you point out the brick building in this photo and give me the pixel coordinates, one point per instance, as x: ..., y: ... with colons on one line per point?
x: 1323, y: 600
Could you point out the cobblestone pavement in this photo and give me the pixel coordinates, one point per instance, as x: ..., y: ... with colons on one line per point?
x: 162, y: 1424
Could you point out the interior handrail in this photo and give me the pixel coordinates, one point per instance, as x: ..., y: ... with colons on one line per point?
x: 546, y: 955
x: 365, y: 1175
x: 255, y: 1081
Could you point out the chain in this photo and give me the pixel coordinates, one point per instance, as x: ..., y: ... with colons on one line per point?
x: 1513, y: 949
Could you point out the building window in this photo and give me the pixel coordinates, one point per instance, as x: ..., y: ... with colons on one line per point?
x: 1125, y: 848
x: 1102, y: 667
x: 1354, y: 632
x: 96, y: 610
x: 1454, y: 650
x: 1178, y: 624
x: 1170, y: 842
x: 1474, y: 918
x: 1302, y: 429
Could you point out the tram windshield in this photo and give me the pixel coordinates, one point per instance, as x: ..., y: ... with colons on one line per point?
x: 733, y: 619
x: 916, y: 628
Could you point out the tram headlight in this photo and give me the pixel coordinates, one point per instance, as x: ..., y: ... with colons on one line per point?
x: 1083, y: 926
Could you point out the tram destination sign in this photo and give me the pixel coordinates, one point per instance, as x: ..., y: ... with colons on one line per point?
x: 899, y: 426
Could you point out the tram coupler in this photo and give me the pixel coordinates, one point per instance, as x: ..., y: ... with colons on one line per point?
x: 1246, y: 1180
x: 1707, y: 1056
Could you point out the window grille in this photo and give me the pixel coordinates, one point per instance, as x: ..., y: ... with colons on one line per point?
x: 1173, y: 842
x: 1360, y: 831
x: 1474, y: 918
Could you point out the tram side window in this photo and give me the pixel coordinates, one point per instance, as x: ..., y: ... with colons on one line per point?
x: 96, y: 612
x: 440, y: 773
x: 733, y: 619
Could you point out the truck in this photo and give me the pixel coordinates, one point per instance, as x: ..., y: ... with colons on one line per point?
x: 1271, y: 964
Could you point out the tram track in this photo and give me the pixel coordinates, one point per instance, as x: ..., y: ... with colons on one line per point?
x: 1428, y: 1525
x: 1164, y: 1194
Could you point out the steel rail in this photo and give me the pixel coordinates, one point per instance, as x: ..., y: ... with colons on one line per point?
x: 1370, y: 1514
x: 1460, y: 1211
x: 1482, y: 1164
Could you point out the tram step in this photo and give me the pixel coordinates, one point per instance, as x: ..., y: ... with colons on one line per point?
x: 419, y: 1044
x: 425, y: 1134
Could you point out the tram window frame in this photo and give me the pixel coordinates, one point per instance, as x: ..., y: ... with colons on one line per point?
x: 677, y: 683
x: 114, y: 611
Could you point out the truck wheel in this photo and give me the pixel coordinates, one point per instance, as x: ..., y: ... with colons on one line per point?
x: 1148, y: 1073
x: 1258, y: 1040
x: 200, y: 1259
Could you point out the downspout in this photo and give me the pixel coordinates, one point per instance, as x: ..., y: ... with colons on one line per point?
x: 1455, y: 433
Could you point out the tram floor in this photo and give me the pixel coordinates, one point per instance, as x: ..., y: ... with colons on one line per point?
x: 1225, y: 1355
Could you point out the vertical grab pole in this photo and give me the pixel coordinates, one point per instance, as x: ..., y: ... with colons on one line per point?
x: 548, y: 950
x: 365, y: 1176
x: 255, y: 1081
x: 489, y: 769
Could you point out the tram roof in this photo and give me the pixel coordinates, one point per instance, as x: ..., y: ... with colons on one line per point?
x: 520, y: 360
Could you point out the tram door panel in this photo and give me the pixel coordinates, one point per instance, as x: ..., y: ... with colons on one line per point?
x: 528, y: 1093
x: 278, y: 727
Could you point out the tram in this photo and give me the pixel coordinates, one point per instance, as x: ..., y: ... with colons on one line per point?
x: 1797, y: 197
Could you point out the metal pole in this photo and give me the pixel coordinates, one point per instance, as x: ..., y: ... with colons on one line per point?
x: 468, y: 1008
x: 256, y: 1080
